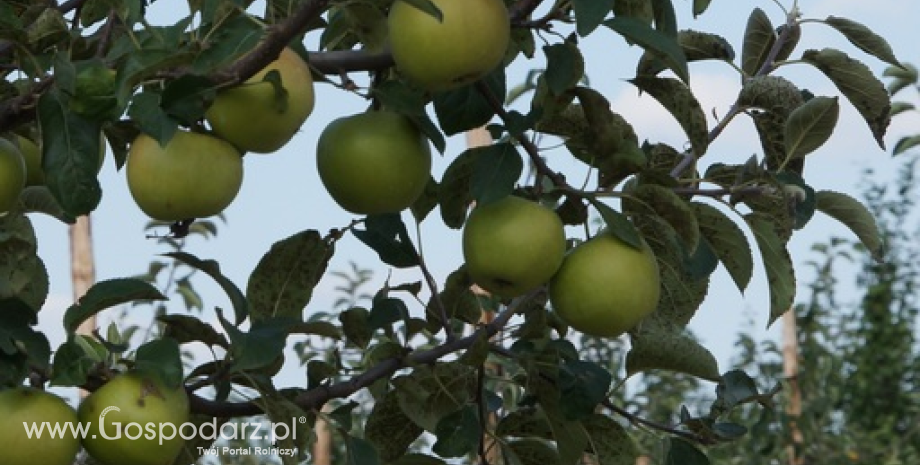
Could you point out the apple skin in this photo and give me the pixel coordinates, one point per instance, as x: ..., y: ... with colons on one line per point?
x: 605, y: 287
x: 12, y: 175
x: 469, y: 43
x: 142, y: 399
x: 30, y: 405
x: 512, y: 245
x: 374, y: 162
x: 194, y: 176
x: 249, y: 116
x: 31, y: 152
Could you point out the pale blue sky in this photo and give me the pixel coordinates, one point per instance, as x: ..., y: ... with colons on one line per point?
x: 282, y: 194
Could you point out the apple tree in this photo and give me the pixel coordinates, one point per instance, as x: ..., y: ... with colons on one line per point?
x: 441, y: 370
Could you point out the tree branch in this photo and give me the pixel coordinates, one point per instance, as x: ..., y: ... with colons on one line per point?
x: 316, y: 397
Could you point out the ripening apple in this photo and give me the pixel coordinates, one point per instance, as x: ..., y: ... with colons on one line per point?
x: 255, y: 117
x: 34, y: 407
x: 194, y: 176
x: 441, y: 55
x: 373, y: 162
x: 12, y: 175
x: 138, y: 398
x: 605, y: 287
x: 512, y: 245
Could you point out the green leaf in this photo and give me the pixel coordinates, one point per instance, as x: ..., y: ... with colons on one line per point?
x: 529, y: 452
x: 498, y: 167
x: 697, y: 46
x: 565, y: 66
x: 389, y: 429
x: 855, y: 216
x: 618, y: 224
x: 74, y: 360
x: 758, y: 40
x: 856, y: 81
x: 187, y: 97
x: 660, y: 44
x: 863, y: 38
x: 679, y: 100
x: 673, y: 209
x: 777, y: 264
x: 186, y: 328
x: 610, y: 443
x: 359, y: 451
x: 432, y: 392
x: 19, y: 339
x: 263, y: 344
x: 283, y: 281
x: 682, y: 452
x: 454, y: 196
x: 24, y: 274
x: 106, y: 294
x: 659, y: 344
x: 386, y: 234
x: 589, y: 14
x: 810, y: 126
x: 161, y: 357
x: 466, y: 108
x: 458, y: 433
x: 700, y: 6
x: 399, y: 97
x: 212, y: 269
x: 38, y: 199
x: 582, y: 386
x: 905, y: 143
x: 70, y: 154
x: 727, y: 241
x: 356, y: 327
x: 524, y: 423
x: 151, y: 118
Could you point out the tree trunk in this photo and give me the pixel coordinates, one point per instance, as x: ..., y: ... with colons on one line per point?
x: 82, y: 265
x: 322, y: 448
x: 791, y: 372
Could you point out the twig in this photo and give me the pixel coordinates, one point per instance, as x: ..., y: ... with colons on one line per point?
x: 689, y: 157
x: 532, y: 151
x: 652, y: 424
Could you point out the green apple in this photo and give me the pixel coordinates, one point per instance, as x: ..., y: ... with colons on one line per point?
x: 512, y: 245
x: 374, y: 162
x: 36, y: 408
x: 605, y: 287
x: 194, y: 176
x: 255, y: 117
x: 440, y: 55
x: 134, y: 419
x: 12, y: 175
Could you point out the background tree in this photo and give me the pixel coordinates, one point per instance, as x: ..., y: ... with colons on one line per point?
x: 418, y: 356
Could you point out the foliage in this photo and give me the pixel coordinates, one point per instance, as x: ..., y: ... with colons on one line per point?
x: 482, y: 377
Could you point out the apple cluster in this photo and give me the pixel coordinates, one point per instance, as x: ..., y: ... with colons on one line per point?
x: 602, y: 287
x: 140, y: 398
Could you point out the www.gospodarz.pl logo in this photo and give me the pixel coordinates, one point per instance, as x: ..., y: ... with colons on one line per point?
x: 212, y: 431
